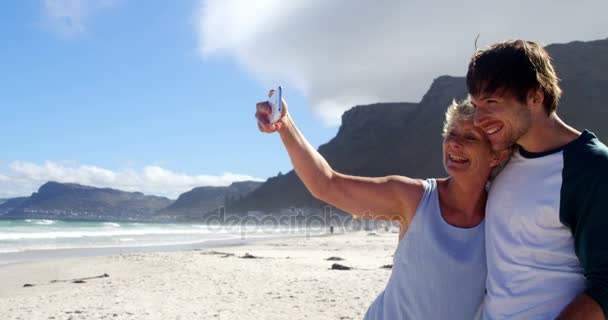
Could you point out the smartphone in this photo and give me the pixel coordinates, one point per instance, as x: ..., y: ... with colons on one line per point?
x: 276, y: 104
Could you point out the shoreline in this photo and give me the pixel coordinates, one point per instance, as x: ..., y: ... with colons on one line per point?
x: 11, y: 258
x: 263, y: 279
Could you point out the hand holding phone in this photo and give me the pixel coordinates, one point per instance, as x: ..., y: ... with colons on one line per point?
x: 276, y: 104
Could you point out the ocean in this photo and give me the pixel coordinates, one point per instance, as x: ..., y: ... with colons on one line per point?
x: 37, y: 235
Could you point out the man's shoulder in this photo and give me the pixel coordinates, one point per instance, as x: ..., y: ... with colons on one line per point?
x: 587, y: 152
x: 584, y: 180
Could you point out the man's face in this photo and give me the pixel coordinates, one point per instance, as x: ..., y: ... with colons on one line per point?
x: 502, y: 118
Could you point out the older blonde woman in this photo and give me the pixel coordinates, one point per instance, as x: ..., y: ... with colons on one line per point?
x: 439, y: 266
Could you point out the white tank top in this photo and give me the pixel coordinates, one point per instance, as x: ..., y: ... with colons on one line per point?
x: 439, y: 270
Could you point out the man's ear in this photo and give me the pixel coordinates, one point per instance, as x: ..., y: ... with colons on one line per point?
x: 536, y: 97
x: 500, y: 157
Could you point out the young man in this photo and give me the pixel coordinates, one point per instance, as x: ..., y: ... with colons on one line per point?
x: 547, y: 212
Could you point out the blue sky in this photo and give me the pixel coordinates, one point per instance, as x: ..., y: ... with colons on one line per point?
x: 159, y: 96
x: 131, y: 90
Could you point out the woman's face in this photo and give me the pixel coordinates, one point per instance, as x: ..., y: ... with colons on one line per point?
x: 467, y: 150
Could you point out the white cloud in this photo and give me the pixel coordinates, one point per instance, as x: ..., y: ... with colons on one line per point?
x: 22, y: 178
x: 345, y: 52
x: 70, y: 17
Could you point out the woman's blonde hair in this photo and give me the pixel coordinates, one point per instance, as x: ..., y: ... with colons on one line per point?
x: 457, y: 111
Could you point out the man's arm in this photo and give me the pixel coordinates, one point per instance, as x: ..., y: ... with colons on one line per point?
x: 584, y: 209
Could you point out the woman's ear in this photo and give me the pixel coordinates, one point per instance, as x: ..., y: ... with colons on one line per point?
x: 500, y: 157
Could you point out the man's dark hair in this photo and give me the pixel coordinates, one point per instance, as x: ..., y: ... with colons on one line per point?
x: 514, y: 67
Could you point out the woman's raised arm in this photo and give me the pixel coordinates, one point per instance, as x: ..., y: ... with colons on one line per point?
x: 383, y: 198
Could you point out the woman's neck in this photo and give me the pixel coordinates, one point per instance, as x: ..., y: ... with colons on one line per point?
x: 462, y: 203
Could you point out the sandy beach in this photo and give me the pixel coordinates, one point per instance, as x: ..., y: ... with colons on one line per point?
x: 286, y: 279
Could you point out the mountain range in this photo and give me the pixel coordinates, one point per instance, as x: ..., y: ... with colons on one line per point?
x: 74, y: 201
x: 373, y: 140
x: 70, y: 201
x: 405, y: 138
x: 8, y: 205
x: 200, y: 201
